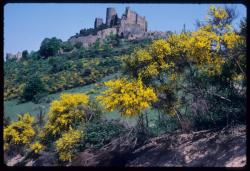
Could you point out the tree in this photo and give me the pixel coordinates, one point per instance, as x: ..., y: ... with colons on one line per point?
x: 25, y: 54
x: 34, y: 87
x: 67, y: 47
x: 50, y: 47
x: 193, y: 63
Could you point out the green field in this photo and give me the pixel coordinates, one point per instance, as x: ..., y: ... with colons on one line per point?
x: 13, y: 107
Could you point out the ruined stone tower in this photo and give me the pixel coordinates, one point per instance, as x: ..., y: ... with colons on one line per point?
x: 98, y: 22
x: 111, y: 15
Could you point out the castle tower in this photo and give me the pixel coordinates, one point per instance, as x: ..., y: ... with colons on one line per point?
x: 98, y: 22
x: 111, y: 14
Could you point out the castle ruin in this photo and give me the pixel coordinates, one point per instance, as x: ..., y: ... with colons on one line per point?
x: 131, y: 25
x: 17, y: 56
x: 130, y: 22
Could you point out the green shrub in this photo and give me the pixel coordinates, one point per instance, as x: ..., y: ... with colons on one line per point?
x: 99, y: 133
x: 78, y: 45
x: 33, y: 89
x: 67, y: 47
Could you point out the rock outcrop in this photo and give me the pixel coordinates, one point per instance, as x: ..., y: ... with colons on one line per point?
x: 211, y: 148
x: 223, y: 148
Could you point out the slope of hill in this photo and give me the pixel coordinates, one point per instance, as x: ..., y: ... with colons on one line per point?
x: 212, y: 148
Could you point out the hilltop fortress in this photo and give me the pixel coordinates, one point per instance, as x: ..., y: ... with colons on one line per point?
x: 130, y: 23
x: 130, y: 26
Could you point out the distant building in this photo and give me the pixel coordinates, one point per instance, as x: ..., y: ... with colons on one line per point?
x: 130, y: 23
x: 98, y: 22
x: 17, y: 56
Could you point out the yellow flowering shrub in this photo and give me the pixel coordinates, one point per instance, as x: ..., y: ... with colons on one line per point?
x: 151, y: 61
x: 130, y: 98
x: 230, y: 39
x: 217, y: 13
x: 20, y: 132
x: 36, y: 147
x: 66, y: 144
x: 65, y: 113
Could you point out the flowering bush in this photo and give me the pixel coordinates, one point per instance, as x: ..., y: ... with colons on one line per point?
x: 36, y: 147
x: 130, y: 98
x: 65, y: 113
x: 65, y: 145
x: 19, y: 133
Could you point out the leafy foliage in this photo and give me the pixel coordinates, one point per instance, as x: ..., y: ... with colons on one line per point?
x: 193, y: 67
x: 33, y: 88
x: 65, y: 113
x: 50, y: 47
x: 99, y: 133
x: 64, y: 71
x: 19, y: 133
x: 130, y: 98
x: 36, y: 147
x: 66, y: 144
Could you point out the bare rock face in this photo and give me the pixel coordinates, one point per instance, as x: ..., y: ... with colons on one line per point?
x: 226, y: 148
x: 116, y: 153
x: 210, y: 148
x: 15, y: 160
x: 43, y: 159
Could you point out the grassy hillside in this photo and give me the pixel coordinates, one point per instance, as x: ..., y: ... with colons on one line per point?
x: 66, y: 70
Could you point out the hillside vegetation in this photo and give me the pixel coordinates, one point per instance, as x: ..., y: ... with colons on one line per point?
x: 190, y: 82
x: 59, y: 66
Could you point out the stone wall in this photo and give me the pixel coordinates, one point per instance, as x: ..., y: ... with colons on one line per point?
x: 17, y: 56
x: 132, y: 24
x: 131, y: 17
x: 90, y: 39
x: 141, y: 21
x: 98, y: 22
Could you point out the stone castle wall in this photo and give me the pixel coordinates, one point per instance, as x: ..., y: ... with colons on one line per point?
x: 130, y: 25
x: 98, y: 22
x: 17, y: 56
x: 90, y: 39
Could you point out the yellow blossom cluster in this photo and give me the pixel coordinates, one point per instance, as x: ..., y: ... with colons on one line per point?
x: 130, y: 98
x: 20, y: 132
x: 149, y: 62
x: 36, y: 147
x: 65, y: 113
x: 66, y: 144
x: 230, y: 38
x: 218, y: 13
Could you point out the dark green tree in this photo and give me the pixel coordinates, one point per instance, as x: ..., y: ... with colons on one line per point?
x: 34, y: 87
x: 67, y: 47
x: 50, y: 47
x: 25, y: 54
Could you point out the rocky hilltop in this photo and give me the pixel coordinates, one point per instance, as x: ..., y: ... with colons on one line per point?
x: 130, y: 26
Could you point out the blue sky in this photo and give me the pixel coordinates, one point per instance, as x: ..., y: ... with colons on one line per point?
x: 26, y: 25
